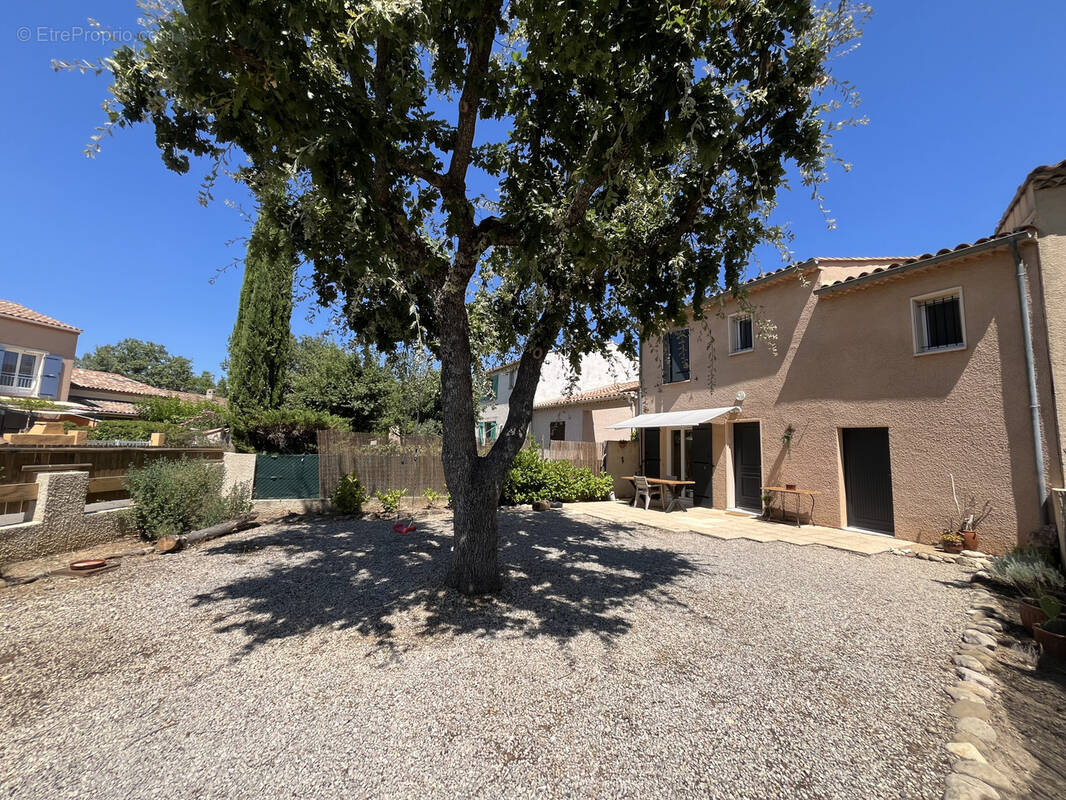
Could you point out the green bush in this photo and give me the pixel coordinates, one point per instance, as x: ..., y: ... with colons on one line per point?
x: 138, y: 430
x: 1027, y: 570
x: 285, y: 430
x: 535, y: 478
x: 432, y: 496
x: 349, y: 495
x: 174, y: 409
x: 175, y: 497
x: 390, y: 499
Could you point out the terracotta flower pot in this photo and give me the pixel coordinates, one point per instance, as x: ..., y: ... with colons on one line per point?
x: 969, y: 540
x: 1054, y: 644
x: 1031, y: 613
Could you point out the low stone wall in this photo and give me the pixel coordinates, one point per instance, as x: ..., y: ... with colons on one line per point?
x: 59, y: 522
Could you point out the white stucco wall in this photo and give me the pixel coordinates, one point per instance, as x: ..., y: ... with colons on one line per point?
x: 555, y: 381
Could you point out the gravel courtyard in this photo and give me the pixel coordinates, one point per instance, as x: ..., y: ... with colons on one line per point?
x: 319, y: 658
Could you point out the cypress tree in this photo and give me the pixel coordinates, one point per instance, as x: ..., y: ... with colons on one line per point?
x: 259, y: 346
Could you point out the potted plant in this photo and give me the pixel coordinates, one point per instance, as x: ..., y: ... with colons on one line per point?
x: 951, y: 541
x: 1028, y: 572
x: 1051, y: 634
x: 968, y: 518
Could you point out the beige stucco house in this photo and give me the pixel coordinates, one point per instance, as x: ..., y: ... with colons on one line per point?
x: 881, y: 381
x: 36, y: 353
x: 585, y: 416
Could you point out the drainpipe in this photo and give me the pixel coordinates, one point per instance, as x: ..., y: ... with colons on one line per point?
x: 1030, y: 374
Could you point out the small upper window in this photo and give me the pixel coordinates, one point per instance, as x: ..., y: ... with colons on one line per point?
x: 675, y: 356
x: 557, y: 431
x: 741, y: 338
x: 510, y: 378
x: 938, y: 322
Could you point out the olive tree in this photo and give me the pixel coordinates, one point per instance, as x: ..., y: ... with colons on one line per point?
x: 564, y: 173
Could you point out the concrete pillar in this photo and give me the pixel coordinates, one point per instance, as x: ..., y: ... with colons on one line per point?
x: 61, y: 497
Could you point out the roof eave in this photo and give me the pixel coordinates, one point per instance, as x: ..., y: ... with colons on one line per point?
x: 903, y: 269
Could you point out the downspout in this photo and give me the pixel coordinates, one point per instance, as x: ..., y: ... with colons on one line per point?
x: 1030, y: 374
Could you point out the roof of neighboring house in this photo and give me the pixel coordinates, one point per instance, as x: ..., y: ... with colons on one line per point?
x: 123, y: 408
x: 612, y: 391
x: 23, y: 314
x: 891, y: 271
x: 113, y: 382
x: 1045, y: 176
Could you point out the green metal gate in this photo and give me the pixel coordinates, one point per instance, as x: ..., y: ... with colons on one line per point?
x: 280, y: 477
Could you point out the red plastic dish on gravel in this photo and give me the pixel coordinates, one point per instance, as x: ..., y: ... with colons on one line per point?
x: 89, y: 563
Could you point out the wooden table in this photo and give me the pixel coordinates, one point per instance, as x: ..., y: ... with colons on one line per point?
x: 811, y: 493
x: 669, y: 485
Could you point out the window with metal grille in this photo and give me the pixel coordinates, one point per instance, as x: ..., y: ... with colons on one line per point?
x: 675, y: 356
x: 741, y: 337
x: 938, y: 322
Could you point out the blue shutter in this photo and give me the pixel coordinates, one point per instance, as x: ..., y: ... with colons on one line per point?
x: 53, y: 368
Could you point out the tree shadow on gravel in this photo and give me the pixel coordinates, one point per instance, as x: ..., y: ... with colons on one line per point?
x: 562, y: 577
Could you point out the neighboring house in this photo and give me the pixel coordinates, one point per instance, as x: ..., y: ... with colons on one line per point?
x: 585, y: 416
x: 556, y: 380
x: 36, y: 353
x: 884, y: 380
x: 109, y: 395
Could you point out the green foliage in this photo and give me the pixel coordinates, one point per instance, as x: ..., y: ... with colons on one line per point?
x: 349, y: 495
x: 258, y: 350
x: 1051, y: 606
x: 390, y: 499
x: 535, y: 478
x: 177, y: 410
x: 374, y: 392
x: 1028, y: 571
x: 284, y: 430
x: 149, y: 363
x: 432, y: 496
x: 31, y: 403
x: 175, y: 497
x: 661, y: 172
x: 139, y: 430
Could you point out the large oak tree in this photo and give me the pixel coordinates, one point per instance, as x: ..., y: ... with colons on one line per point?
x: 564, y: 172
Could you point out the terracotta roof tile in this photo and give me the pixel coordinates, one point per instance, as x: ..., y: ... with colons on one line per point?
x: 118, y: 407
x: 898, y: 267
x: 113, y: 382
x: 611, y: 391
x: 1047, y: 174
x: 16, y: 311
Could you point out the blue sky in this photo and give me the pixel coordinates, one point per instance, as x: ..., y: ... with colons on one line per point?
x: 964, y: 98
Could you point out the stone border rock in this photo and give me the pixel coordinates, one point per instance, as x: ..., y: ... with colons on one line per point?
x: 973, y: 778
x: 973, y: 561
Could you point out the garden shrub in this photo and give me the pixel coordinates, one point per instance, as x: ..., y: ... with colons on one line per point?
x: 349, y: 495
x: 533, y: 477
x: 285, y: 430
x: 175, y: 497
x: 390, y: 499
x: 1027, y: 570
x: 175, y: 409
x: 139, y: 430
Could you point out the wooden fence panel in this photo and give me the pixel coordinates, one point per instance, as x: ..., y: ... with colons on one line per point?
x: 412, y: 463
x: 17, y: 463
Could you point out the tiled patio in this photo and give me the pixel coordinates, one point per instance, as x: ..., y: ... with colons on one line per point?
x: 730, y: 525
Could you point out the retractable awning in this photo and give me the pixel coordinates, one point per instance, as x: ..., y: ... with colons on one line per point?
x: 675, y: 419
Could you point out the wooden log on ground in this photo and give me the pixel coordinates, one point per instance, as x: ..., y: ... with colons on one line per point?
x: 172, y: 544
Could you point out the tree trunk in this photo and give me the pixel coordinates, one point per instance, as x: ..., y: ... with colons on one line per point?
x: 475, y: 566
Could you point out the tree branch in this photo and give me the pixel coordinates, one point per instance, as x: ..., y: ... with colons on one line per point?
x: 470, y: 100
